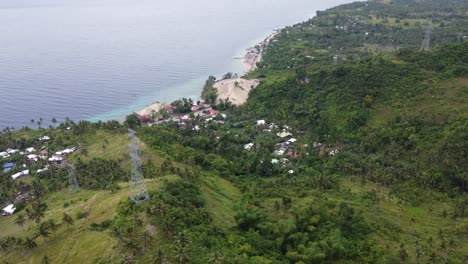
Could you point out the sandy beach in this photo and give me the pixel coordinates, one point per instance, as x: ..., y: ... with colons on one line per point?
x: 254, y: 54
x: 235, y: 89
x: 148, y: 110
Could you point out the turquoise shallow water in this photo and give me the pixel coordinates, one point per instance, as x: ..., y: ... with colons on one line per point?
x: 101, y: 59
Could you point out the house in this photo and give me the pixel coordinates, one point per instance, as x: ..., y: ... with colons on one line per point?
x: 21, y: 197
x: 33, y: 157
x: 293, y: 154
x: 279, y: 152
x: 248, y: 146
x: 283, y: 134
x: 261, y: 122
x: 30, y: 150
x: 46, y: 168
x: 274, y: 161
x: 195, y: 108
x: 4, y: 154
x: 12, y: 151
x: 56, y: 159
x: 168, y: 108
x: 8, y: 165
x: 144, y: 118
x: 44, y: 138
x: 8, y: 210
x: 292, y: 140
x: 20, y: 174
x: 290, y: 171
x: 65, y: 151
x: 213, y: 112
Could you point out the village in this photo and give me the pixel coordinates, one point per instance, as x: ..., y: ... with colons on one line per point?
x: 202, y: 114
x: 19, y: 163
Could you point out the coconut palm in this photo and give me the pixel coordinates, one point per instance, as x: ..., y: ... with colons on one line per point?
x: 20, y: 220
x: 30, y: 243
x: 43, y: 230
x: 46, y: 260
x: 67, y: 219
x: 159, y: 257
x: 53, y: 225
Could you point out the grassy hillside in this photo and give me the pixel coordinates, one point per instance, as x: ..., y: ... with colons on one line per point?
x: 362, y: 159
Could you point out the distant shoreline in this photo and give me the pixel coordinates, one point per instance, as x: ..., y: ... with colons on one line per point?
x: 234, y: 89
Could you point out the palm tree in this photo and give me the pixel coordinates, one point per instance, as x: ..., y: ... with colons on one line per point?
x: 159, y: 257
x: 53, y: 226
x: 30, y: 216
x: 182, y: 254
x: 20, y: 220
x: 54, y: 120
x: 147, y: 239
x: 30, y: 243
x: 216, y: 258
x: 38, y: 213
x: 67, y: 219
x: 45, y: 260
x: 43, y: 230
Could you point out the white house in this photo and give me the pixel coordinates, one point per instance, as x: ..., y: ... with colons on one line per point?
x: 12, y: 151
x: 20, y: 174
x: 56, y: 159
x: 4, y: 154
x: 248, y: 146
x: 283, y: 134
x: 46, y: 168
x: 44, y: 138
x: 33, y: 157
x: 8, y: 210
x: 261, y: 122
x: 279, y: 152
x: 30, y: 150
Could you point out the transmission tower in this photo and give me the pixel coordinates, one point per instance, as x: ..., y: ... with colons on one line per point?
x: 72, y: 181
x: 137, y: 182
x: 426, y: 45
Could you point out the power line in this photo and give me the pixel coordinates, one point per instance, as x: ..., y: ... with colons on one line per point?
x: 137, y: 182
x: 73, y: 185
x: 426, y: 45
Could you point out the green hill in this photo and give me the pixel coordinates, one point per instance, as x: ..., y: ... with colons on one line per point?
x: 361, y: 158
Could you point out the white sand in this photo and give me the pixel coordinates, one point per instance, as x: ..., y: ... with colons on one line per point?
x: 148, y: 110
x: 254, y: 54
x: 235, y: 89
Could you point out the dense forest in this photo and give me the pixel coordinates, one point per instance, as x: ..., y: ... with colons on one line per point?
x: 353, y: 149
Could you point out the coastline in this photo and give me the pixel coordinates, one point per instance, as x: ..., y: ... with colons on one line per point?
x: 236, y: 90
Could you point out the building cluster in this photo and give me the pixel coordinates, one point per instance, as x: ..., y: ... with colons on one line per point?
x: 18, y: 169
x: 201, y: 111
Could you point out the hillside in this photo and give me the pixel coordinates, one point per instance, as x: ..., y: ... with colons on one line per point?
x: 352, y: 149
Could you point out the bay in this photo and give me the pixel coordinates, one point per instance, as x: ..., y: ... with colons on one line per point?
x: 101, y: 59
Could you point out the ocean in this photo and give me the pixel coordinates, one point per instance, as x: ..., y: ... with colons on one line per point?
x: 102, y: 59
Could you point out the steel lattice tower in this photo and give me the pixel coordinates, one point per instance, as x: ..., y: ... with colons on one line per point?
x: 137, y: 182
x: 73, y: 185
x: 426, y: 45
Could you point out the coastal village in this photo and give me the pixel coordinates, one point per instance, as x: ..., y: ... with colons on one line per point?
x: 195, y: 116
x: 32, y: 160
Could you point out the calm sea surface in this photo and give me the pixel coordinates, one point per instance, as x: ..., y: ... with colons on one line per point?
x: 101, y: 59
